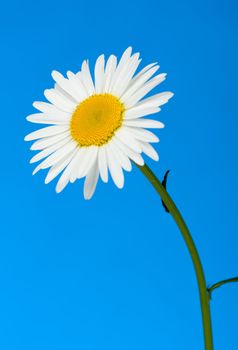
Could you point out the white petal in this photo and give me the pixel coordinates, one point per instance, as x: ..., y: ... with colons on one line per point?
x: 142, y: 134
x: 143, y: 71
x: 62, y: 92
x: 124, y: 75
x: 109, y: 72
x: 149, y: 151
x: 45, y: 132
x: 135, y: 84
x: 56, y: 156
x: 78, y: 160
x: 121, y: 68
x: 50, y: 110
x: 136, y: 157
x: 47, y: 151
x: 122, y: 159
x: 48, y: 141
x: 128, y: 139
x: 59, y: 166
x: 144, y: 90
x: 125, y: 56
x: 87, y: 161
x: 59, y: 100
x: 134, y: 113
x: 155, y: 100
x: 64, y: 178
x: 42, y: 118
x: 115, y: 169
x: 127, y: 79
x: 69, y: 147
x: 102, y: 163
x: 91, y: 181
x: 78, y: 86
x: 144, y: 123
x: 99, y: 74
x: 65, y: 85
x: 86, y: 78
x: 76, y: 163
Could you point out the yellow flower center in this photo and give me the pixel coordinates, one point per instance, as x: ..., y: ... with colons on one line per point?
x: 96, y: 119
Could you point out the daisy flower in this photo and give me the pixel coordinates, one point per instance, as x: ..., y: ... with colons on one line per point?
x: 97, y: 125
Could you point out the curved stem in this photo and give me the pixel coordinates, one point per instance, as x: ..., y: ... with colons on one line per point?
x: 220, y: 283
x: 204, y: 295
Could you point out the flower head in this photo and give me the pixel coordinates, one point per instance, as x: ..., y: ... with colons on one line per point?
x: 97, y: 125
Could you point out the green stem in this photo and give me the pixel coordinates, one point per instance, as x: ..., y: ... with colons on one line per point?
x: 204, y: 295
x: 220, y: 283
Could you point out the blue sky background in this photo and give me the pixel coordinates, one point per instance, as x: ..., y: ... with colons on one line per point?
x: 114, y: 273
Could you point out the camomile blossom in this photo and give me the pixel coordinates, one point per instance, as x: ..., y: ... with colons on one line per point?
x: 98, y: 125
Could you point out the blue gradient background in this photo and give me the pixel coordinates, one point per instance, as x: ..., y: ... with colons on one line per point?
x: 114, y: 273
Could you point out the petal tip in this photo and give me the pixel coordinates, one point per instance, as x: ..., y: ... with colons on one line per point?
x: 56, y: 75
x: 35, y: 171
x: 60, y: 186
x: 58, y: 190
x: 46, y: 181
x: 87, y: 196
x: 46, y: 91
